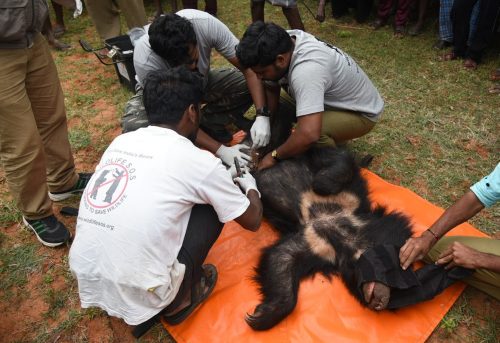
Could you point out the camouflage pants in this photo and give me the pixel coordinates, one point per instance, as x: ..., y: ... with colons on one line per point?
x: 227, y: 100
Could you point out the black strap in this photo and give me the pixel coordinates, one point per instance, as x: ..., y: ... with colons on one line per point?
x: 69, y: 211
x: 142, y: 328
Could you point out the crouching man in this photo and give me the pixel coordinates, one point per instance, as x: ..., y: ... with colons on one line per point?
x: 325, y: 92
x: 154, y: 208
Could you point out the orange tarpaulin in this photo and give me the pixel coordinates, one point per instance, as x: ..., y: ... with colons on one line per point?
x: 325, y: 311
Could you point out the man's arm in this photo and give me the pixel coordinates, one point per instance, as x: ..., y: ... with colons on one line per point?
x: 417, y: 247
x: 255, y: 85
x: 307, y: 132
x: 261, y: 128
x: 206, y: 142
x: 251, y: 218
x: 458, y: 254
x: 226, y: 154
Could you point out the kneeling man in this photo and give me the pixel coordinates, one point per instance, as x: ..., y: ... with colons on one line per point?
x: 331, y: 97
x: 154, y: 208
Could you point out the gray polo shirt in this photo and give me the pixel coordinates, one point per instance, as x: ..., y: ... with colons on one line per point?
x: 322, y: 74
x: 210, y: 33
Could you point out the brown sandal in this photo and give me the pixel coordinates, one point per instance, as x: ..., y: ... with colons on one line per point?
x: 470, y: 64
x: 200, y: 293
x: 495, y: 76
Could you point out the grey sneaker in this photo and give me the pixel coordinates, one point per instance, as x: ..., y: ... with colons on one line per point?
x: 83, y: 179
x: 50, y: 231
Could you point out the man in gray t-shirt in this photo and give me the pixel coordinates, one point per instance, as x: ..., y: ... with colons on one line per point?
x: 187, y: 38
x: 325, y: 91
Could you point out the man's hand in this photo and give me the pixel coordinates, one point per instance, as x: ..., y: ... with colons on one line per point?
x: 227, y: 154
x: 246, y: 182
x: 458, y: 254
x: 267, y: 162
x: 415, y: 249
x: 261, y: 132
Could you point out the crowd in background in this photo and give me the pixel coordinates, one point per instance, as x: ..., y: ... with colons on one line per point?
x: 465, y: 27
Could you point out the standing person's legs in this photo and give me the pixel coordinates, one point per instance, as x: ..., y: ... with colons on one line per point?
x: 383, y: 12
x: 59, y: 28
x: 422, y: 8
x: 402, y: 13
x: 339, y: 8
x: 483, y: 279
x: 47, y: 102
x: 211, y: 7
x: 363, y: 10
x: 293, y: 17
x: 134, y: 12
x: 105, y: 16
x: 21, y: 146
x: 202, y: 231
x: 488, y: 13
x: 460, y: 19
x: 190, y: 4
x: 228, y: 99
x: 257, y: 9
x: 445, y: 26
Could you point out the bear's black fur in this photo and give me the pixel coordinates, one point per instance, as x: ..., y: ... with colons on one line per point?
x: 319, y: 204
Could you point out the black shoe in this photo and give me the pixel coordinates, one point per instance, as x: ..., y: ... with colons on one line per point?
x: 83, y: 180
x: 441, y: 44
x: 50, y: 231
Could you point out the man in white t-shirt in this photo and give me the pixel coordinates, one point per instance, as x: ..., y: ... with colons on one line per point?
x: 325, y: 91
x: 154, y: 208
x: 188, y: 38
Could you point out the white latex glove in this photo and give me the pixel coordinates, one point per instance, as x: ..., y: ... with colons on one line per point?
x: 247, y: 182
x: 234, y: 173
x: 227, y: 154
x: 261, y: 131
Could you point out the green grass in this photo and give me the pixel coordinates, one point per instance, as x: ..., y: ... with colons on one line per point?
x: 9, y: 213
x: 460, y: 314
x: 17, y: 263
x: 438, y: 135
x: 79, y: 138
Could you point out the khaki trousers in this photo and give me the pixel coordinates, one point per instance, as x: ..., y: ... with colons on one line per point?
x: 483, y: 279
x: 337, y: 126
x: 106, y: 15
x: 34, y: 147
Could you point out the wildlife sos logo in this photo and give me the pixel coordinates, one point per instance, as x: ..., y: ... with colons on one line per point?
x: 108, y: 187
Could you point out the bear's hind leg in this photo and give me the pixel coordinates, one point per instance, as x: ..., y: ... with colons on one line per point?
x: 279, y: 272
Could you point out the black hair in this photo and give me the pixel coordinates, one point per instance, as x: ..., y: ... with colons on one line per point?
x: 171, y: 37
x: 262, y: 43
x: 168, y: 93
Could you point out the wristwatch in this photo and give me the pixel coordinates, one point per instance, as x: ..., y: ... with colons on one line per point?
x: 274, y: 155
x: 262, y: 112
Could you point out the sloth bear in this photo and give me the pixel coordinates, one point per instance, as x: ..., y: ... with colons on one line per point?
x: 319, y: 204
